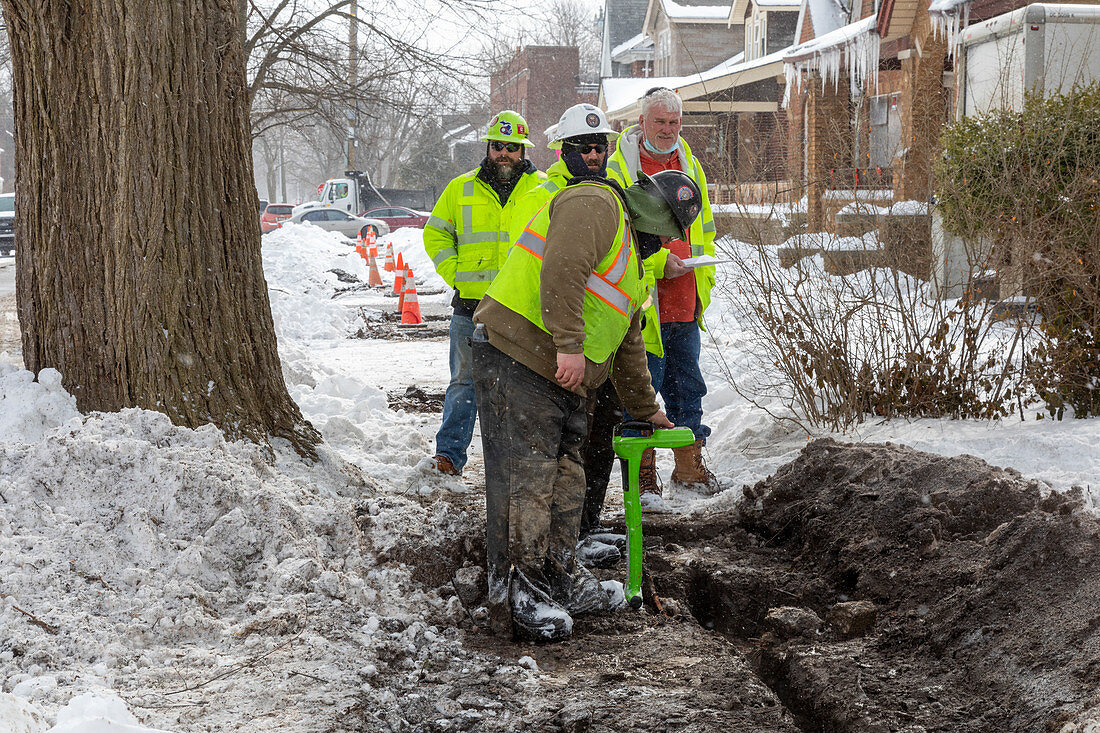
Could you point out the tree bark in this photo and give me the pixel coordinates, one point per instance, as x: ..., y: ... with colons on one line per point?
x: 139, y: 275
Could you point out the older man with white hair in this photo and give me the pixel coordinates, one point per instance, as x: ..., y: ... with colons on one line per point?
x: 673, y: 322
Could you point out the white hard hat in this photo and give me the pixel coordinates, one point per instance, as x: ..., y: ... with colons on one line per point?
x: 581, y: 119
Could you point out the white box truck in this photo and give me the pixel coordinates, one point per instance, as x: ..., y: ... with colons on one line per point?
x: 1042, y: 48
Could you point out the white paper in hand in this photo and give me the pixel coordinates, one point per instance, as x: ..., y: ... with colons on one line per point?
x: 703, y: 261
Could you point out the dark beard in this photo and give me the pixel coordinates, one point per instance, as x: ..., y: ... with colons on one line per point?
x: 504, y: 172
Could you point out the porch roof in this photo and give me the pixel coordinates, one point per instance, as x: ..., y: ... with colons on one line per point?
x: 622, y: 97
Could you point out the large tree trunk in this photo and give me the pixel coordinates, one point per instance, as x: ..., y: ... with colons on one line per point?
x: 138, y: 268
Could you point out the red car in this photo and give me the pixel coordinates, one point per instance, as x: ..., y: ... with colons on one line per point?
x: 274, y: 216
x: 399, y: 216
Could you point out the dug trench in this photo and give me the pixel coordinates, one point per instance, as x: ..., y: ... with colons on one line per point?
x: 865, y: 587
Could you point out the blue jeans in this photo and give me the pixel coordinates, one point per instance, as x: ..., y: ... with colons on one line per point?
x: 678, y: 379
x: 459, y: 404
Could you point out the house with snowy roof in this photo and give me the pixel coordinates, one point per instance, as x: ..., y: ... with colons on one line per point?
x: 625, y: 50
x: 690, y: 36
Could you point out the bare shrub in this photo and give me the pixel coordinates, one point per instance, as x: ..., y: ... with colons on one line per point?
x: 838, y: 349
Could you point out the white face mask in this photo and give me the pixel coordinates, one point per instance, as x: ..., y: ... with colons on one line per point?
x: 654, y: 149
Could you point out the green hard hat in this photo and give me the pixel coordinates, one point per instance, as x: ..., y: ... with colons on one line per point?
x: 508, y: 127
x: 665, y: 203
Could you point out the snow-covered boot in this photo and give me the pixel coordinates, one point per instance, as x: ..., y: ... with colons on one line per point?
x: 691, y: 472
x: 580, y: 592
x: 609, y: 537
x: 593, y: 553
x: 535, y: 616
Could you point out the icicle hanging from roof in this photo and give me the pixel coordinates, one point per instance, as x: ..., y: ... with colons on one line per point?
x: 853, y: 48
x: 949, y: 19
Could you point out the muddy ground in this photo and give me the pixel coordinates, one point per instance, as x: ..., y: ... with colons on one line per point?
x: 861, y: 588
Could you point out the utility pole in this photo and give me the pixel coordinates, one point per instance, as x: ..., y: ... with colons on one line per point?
x: 353, y: 82
x: 282, y: 165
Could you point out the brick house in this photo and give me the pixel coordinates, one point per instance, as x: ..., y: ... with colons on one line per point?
x: 539, y: 82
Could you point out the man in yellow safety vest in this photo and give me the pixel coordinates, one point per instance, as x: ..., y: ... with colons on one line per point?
x: 467, y: 238
x: 562, y: 316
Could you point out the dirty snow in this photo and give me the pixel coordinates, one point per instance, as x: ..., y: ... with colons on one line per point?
x: 154, y: 577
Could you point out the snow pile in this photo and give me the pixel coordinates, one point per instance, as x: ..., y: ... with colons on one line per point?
x: 140, y: 556
x: 410, y: 243
x: 298, y: 263
x: 352, y: 416
x: 89, y: 713
x: 29, y: 410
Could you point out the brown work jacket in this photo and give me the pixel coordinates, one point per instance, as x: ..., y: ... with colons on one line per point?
x: 583, y: 224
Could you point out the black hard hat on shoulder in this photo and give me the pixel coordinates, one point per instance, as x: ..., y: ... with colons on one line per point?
x: 679, y: 191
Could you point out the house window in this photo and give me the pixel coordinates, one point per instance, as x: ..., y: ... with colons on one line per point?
x: 664, y: 52
x: 759, y: 34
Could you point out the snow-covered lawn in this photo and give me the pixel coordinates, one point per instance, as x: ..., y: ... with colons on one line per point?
x: 158, y: 574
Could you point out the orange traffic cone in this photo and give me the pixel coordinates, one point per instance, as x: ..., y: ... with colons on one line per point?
x: 375, y: 277
x: 371, y: 237
x: 410, y: 307
x: 399, y: 281
x: 406, y: 277
x: 389, y: 265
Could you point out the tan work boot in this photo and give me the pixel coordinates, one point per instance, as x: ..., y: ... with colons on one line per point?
x: 690, y: 469
x: 443, y: 465
x: 647, y: 473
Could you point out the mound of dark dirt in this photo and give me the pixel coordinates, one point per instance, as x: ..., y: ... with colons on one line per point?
x: 988, y: 596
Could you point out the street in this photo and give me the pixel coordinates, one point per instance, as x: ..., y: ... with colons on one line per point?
x: 9, y: 324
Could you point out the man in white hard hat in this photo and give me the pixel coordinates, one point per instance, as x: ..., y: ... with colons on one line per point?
x: 584, y: 139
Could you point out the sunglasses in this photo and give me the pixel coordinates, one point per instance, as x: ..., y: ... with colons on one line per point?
x: 510, y: 147
x: 600, y: 148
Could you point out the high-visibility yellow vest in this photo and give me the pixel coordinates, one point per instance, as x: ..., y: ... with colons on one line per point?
x: 612, y: 293
x: 467, y: 233
x: 623, y: 166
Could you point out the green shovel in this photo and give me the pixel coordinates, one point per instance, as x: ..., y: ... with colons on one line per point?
x: 629, y: 450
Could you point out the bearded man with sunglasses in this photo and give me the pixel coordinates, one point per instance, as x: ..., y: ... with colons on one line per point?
x: 467, y: 238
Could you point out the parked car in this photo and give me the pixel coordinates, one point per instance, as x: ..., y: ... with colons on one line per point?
x: 7, y: 224
x: 399, y: 216
x: 274, y: 216
x: 334, y: 220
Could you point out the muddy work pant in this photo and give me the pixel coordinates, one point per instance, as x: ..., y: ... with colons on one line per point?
x: 531, y: 432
